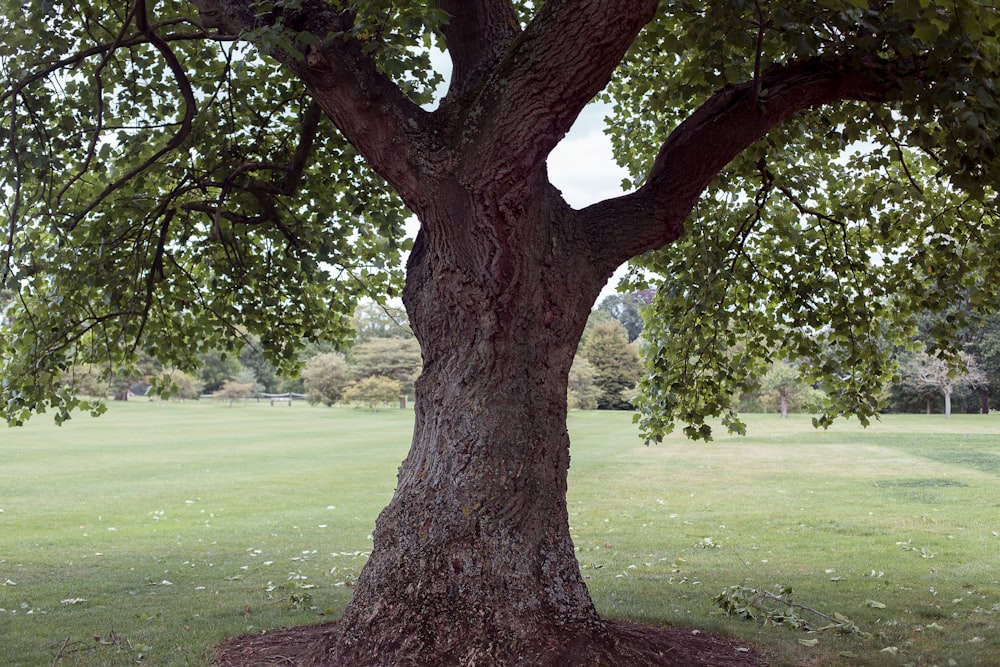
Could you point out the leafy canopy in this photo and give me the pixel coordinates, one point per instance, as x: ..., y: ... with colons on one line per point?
x: 170, y: 189
x: 826, y: 239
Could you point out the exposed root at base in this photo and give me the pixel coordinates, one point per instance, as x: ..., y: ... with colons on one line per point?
x: 636, y: 646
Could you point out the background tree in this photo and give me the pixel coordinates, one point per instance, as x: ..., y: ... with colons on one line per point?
x: 325, y: 377
x: 782, y: 388
x: 583, y: 391
x: 215, y: 368
x: 377, y: 320
x: 87, y: 380
x: 985, y: 349
x: 247, y: 376
x: 374, y: 391
x: 184, y: 385
x: 927, y: 374
x: 615, y: 362
x: 627, y: 309
x: 137, y: 380
x: 7, y: 297
x: 232, y: 392
x: 169, y: 187
x: 396, y: 358
x: 264, y: 373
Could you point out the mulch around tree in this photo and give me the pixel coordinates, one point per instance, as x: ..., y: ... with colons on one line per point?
x: 661, y: 646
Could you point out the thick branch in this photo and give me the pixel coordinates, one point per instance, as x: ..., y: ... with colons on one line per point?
x: 718, y: 131
x: 566, y: 55
x: 373, y: 114
x: 478, y: 35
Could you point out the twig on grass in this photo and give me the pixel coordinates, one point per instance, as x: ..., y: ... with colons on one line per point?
x: 59, y: 653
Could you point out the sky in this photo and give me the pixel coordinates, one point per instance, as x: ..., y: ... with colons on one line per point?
x: 582, y: 165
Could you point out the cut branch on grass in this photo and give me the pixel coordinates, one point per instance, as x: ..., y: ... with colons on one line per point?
x: 779, y: 609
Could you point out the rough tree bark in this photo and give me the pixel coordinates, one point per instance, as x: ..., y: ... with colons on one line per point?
x: 472, y: 562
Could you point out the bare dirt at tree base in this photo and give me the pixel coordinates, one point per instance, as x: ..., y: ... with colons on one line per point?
x: 647, y: 646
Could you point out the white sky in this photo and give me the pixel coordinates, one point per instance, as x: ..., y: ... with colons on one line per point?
x: 582, y: 165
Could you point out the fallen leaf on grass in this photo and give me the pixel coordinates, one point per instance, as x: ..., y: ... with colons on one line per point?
x: 72, y: 601
x: 874, y: 604
x: 809, y: 642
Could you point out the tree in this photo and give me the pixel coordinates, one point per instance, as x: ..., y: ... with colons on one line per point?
x: 7, y: 297
x: 168, y: 186
x: 264, y: 373
x: 627, y: 309
x: 927, y: 374
x: 183, y: 386
x: 782, y: 384
x: 616, y: 364
x: 986, y: 350
x: 86, y: 380
x: 374, y: 390
x: 583, y: 392
x: 248, y: 377
x: 122, y: 385
x: 325, y: 377
x: 216, y: 368
x: 396, y: 358
x: 232, y: 391
x: 376, y: 320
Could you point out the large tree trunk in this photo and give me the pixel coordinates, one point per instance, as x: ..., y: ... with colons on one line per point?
x: 472, y: 561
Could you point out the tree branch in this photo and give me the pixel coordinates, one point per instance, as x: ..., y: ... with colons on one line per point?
x: 477, y: 35
x: 186, y: 123
x: 372, y: 113
x: 899, y: 149
x: 565, y: 56
x: 725, y: 125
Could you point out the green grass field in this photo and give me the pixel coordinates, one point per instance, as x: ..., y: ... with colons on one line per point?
x: 150, y: 533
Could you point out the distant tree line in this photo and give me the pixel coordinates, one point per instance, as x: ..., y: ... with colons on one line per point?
x: 380, y: 368
x: 965, y: 379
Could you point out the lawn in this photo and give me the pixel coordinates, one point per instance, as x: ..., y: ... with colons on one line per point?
x: 150, y: 533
